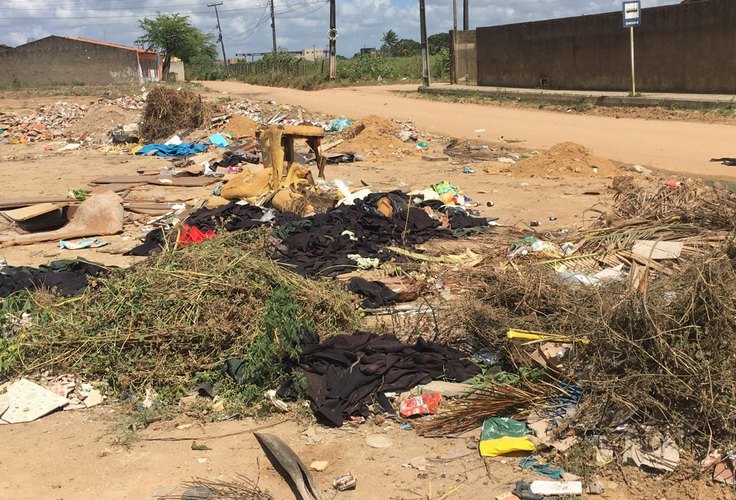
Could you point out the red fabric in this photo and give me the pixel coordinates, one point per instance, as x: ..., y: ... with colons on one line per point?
x: 426, y: 404
x: 191, y: 235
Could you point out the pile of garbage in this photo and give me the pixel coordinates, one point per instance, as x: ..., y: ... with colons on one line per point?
x: 47, y: 123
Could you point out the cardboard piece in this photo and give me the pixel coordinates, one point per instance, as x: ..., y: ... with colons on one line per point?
x: 30, y: 212
x: 665, y: 458
x: 183, y: 181
x: 657, y: 250
x: 28, y: 401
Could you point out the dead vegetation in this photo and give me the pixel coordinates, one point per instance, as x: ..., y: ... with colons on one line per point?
x: 169, y: 111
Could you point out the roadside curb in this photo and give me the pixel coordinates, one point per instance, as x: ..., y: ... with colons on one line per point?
x: 610, y: 101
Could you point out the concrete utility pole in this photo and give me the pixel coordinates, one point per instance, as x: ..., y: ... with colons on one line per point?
x: 466, y: 16
x: 453, y: 77
x: 332, y: 34
x: 425, y: 52
x: 273, y: 32
x: 222, y: 42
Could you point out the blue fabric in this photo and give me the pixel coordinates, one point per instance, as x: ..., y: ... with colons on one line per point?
x: 183, y: 149
x: 531, y: 463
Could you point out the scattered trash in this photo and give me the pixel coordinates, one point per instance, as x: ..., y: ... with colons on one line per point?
x: 422, y: 145
x: 27, y: 401
x: 504, y: 435
x: 219, y: 140
x: 426, y: 404
x: 84, y: 243
x: 378, y: 441
x: 467, y: 170
x: 557, y: 487
x: 639, y: 169
x: 200, y: 447
x: 284, y: 459
x: 662, y: 458
x: 531, y: 463
x: 729, y: 162
x: 345, y: 482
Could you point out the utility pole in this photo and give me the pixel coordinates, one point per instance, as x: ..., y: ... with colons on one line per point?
x: 273, y: 32
x: 453, y: 62
x: 332, y: 34
x: 423, y: 35
x: 222, y: 42
x: 466, y: 16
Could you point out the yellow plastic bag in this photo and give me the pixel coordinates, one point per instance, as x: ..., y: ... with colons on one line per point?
x: 505, y: 444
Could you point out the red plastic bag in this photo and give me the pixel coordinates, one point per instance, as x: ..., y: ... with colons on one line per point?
x: 191, y: 235
x: 426, y: 404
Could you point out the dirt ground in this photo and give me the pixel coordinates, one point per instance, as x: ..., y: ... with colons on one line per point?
x: 74, y: 455
x: 673, y: 146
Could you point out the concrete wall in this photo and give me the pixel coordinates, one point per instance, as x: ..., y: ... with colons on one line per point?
x: 57, y: 60
x: 679, y: 48
x: 463, y: 55
x: 176, y: 71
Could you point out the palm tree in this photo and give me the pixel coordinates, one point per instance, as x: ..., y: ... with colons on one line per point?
x: 390, y: 39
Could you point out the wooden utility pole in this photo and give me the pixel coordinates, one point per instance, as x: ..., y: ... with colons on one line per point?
x: 466, y: 16
x: 273, y: 32
x: 219, y: 30
x: 332, y: 34
x: 425, y: 52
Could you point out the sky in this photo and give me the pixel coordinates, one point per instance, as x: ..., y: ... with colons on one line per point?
x: 300, y: 24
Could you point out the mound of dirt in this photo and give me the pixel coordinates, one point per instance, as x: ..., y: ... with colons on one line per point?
x: 241, y: 126
x: 564, y: 160
x: 99, y: 119
x: 377, y: 139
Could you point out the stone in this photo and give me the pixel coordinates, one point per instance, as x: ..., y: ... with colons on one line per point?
x: 319, y: 465
x: 595, y: 488
x: 93, y: 399
x: 378, y: 441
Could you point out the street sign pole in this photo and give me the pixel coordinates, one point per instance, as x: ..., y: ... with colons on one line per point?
x: 633, y: 66
x: 632, y: 17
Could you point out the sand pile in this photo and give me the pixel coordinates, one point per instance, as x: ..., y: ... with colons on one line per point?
x: 241, y: 126
x: 377, y: 139
x: 564, y: 160
x: 99, y: 120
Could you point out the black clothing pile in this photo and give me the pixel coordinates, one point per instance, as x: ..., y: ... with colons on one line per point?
x: 346, y: 373
x: 64, y: 277
x: 234, y: 158
x: 321, y: 244
x: 374, y: 293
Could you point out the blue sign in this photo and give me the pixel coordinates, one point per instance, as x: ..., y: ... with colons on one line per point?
x: 632, y: 13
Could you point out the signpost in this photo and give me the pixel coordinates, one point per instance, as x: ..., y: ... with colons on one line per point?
x: 632, y: 18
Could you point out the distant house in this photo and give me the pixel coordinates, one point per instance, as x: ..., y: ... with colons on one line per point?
x: 73, y: 60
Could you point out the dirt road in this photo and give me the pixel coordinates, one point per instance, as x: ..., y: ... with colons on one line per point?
x: 664, y: 145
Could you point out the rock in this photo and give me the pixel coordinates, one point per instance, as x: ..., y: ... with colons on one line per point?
x: 319, y: 465
x: 378, y: 441
x: 569, y: 476
x: 595, y: 488
x: 93, y: 399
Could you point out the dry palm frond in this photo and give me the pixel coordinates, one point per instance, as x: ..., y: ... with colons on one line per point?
x: 496, y: 399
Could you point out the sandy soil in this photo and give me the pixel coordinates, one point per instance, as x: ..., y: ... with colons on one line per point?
x: 665, y: 145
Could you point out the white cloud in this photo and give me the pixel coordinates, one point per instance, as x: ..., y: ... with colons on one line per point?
x: 299, y: 23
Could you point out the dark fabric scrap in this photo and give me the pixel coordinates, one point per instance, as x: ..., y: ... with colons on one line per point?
x: 64, y: 277
x: 374, y: 293
x: 345, y: 373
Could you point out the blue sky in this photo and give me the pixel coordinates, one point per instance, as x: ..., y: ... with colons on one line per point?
x: 299, y: 23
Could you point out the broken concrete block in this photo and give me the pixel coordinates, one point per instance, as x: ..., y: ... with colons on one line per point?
x: 28, y: 401
x: 93, y: 399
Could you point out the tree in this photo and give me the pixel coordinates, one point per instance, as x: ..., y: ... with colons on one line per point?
x: 175, y: 36
x: 406, y: 47
x: 436, y: 43
x: 390, y: 39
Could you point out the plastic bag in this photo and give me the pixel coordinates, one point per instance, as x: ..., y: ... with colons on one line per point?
x: 504, y: 435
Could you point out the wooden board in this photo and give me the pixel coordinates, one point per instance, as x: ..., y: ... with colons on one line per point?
x: 30, y: 212
x: 183, y: 181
